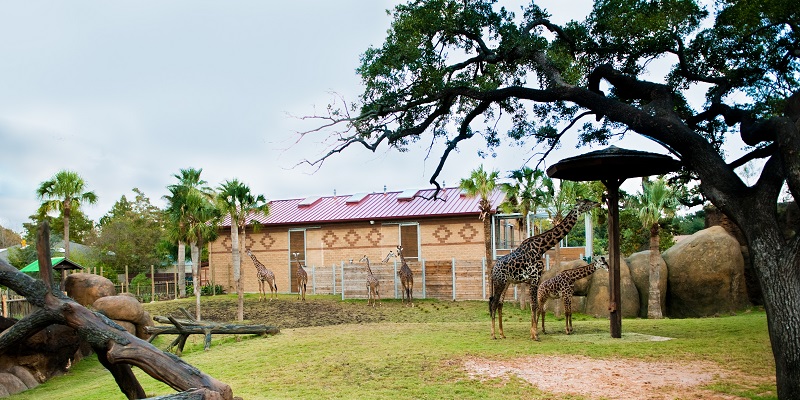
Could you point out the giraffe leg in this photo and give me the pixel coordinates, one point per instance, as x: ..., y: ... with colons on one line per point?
x: 568, y: 312
x: 534, y: 293
x: 411, y: 293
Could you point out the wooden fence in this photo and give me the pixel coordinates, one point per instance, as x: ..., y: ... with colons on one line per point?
x: 453, y: 280
x: 14, y: 305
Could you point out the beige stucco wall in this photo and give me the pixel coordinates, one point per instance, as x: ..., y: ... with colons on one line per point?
x: 330, y: 244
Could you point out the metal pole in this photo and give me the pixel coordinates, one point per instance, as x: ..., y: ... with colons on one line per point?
x: 614, y: 301
x: 342, y: 280
x: 423, y: 280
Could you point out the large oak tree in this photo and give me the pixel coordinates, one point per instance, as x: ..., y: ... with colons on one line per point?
x: 450, y: 70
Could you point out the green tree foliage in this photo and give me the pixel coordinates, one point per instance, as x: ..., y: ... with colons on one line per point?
x: 528, y: 192
x: 235, y: 200
x: 64, y: 193
x: 9, y: 238
x: 689, y: 223
x: 455, y: 70
x: 130, y: 234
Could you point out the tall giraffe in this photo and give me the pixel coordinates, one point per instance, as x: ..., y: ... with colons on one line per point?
x: 525, y: 264
x: 264, y: 276
x: 406, y: 278
x: 302, y: 278
x: 372, y: 284
x: 562, y: 285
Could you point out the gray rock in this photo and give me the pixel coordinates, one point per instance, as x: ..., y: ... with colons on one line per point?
x: 706, y: 275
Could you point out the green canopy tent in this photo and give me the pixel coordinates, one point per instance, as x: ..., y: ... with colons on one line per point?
x: 59, y: 264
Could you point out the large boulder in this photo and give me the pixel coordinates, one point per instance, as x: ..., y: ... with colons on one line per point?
x: 706, y: 275
x: 597, y: 296
x: 127, y: 312
x: 639, y: 264
x: 125, y: 308
x: 87, y: 288
x: 12, y: 383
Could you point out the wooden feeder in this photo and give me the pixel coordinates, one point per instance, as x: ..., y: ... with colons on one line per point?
x: 612, y: 166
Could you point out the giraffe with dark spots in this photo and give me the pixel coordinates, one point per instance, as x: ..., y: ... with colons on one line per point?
x: 525, y: 265
x: 563, y: 285
x: 265, y: 277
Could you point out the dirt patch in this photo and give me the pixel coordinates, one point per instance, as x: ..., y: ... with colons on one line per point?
x: 606, y: 379
x: 283, y: 313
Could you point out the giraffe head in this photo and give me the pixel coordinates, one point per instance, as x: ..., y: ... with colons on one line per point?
x: 584, y: 205
x: 364, y: 259
x: 388, y: 256
x: 601, y: 263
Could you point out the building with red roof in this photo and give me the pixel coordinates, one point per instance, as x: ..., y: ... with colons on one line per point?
x: 329, y: 234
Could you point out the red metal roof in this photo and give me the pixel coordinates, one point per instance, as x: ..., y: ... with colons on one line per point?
x: 374, y: 206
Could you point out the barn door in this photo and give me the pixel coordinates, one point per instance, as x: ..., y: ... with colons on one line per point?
x: 297, y: 244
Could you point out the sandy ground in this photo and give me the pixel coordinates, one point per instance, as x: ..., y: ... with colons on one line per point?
x: 606, y: 379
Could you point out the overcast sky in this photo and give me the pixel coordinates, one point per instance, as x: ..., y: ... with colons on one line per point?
x: 127, y: 93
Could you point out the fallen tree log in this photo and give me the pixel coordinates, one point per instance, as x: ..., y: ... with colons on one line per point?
x: 190, y: 326
x: 116, y: 349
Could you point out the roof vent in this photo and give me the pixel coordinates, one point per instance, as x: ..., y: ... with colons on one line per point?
x: 356, y: 198
x: 407, y: 194
x: 309, y: 201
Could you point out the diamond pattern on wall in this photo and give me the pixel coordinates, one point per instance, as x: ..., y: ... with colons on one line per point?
x: 351, y: 237
x: 442, y: 233
x: 468, y: 232
x: 375, y: 237
x: 266, y: 240
x: 329, y: 238
x: 226, y: 243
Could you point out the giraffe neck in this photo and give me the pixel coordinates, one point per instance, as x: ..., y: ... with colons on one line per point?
x: 552, y: 236
x: 582, y: 272
x: 258, y: 264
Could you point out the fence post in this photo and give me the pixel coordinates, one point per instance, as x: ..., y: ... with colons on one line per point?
x: 342, y: 280
x: 175, y: 276
x: 423, y: 280
x: 483, y: 278
x: 453, y: 274
x: 5, y: 306
x: 127, y: 282
x: 152, y: 283
x: 313, y: 279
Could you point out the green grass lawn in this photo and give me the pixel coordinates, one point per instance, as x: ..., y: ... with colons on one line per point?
x: 418, y: 353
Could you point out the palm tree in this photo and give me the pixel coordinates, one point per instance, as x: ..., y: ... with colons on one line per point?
x: 178, y: 210
x: 63, y: 193
x: 203, y: 218
x: 529, y: 190
x: 656, y: 201
x: 482, y: 184
x: 234, y: 198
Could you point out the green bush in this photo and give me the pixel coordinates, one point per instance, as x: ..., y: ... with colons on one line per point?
x: 205, y: 290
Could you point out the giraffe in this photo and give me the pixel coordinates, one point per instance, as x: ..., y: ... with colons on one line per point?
x: 264, y: 276
x: 302, y: 278
x: 372, y: 284
x: 406, y: 278
x: 562, y: 285
x: 525, y: 264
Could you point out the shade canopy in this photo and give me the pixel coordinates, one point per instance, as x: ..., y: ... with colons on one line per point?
x: 612, y: 163
x: 59, y: 263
